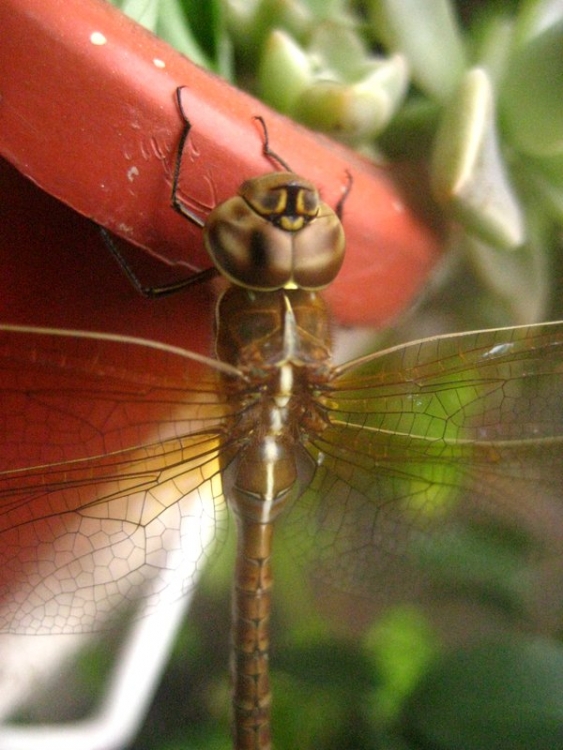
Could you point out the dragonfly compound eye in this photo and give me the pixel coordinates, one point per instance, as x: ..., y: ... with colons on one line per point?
x: 283, y: 198
x: 276, y: 234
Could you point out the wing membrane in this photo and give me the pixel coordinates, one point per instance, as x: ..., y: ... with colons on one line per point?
x: 442, y: 432
x: 111, y: 458
x: 110, y: 473
x: 484, y: 385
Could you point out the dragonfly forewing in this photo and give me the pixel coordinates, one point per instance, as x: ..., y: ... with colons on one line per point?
x: 428, y: 438
x: 110, y: 472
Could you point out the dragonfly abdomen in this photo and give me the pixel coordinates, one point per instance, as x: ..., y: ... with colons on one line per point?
x: 263, y: 479
x: 283, y: 345
x: 251, y: 609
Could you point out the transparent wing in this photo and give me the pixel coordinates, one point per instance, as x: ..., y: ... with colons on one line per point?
x: 428, y: 437
x: 109, y: 472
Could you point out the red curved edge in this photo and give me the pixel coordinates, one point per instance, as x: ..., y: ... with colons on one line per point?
x: 57, y: 273
x: 97, y: 126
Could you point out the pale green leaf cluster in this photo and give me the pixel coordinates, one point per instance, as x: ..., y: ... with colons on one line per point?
x: 472, y: 90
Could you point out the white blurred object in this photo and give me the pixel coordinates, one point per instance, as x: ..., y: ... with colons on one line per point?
x: 127, y: 697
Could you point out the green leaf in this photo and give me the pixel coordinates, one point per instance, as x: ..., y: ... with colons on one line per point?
x: 426, y: 33
x: 531, y: 98
x: 284, y: 71
x: 195, y: 29
x: 402, y: 644
x: 535, y: 17
x: 497, y: 694
x: 358, y: 111
x: 468, y: 172
x: 174, y: 27
x: 491, y: 40
x: 544, y: 181
x: 144, y: 12
x: 485, y: 564
x: 519, y: 282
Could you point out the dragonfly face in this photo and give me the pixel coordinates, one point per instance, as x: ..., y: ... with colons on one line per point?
x: 111, y: 453
x: 276, y: 234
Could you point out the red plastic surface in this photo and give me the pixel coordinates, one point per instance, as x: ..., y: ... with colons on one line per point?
x: 88, y: 112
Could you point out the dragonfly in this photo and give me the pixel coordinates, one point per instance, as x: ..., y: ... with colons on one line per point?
x: 114, y: 447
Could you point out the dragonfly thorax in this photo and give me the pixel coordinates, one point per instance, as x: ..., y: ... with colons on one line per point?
x: 260, y: 331
x: 280, y: 341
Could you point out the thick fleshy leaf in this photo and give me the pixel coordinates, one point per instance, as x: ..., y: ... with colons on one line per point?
x: 544, y: 179
x: 468, y: 172
x: 536, y: 16
x: 358, y: 111
x: 531, y: 101
x: 284, y: 71
x: 518, y: 283
x: 428, y: 36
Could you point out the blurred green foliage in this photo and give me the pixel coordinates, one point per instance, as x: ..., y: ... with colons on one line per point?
x: 471, y: 90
